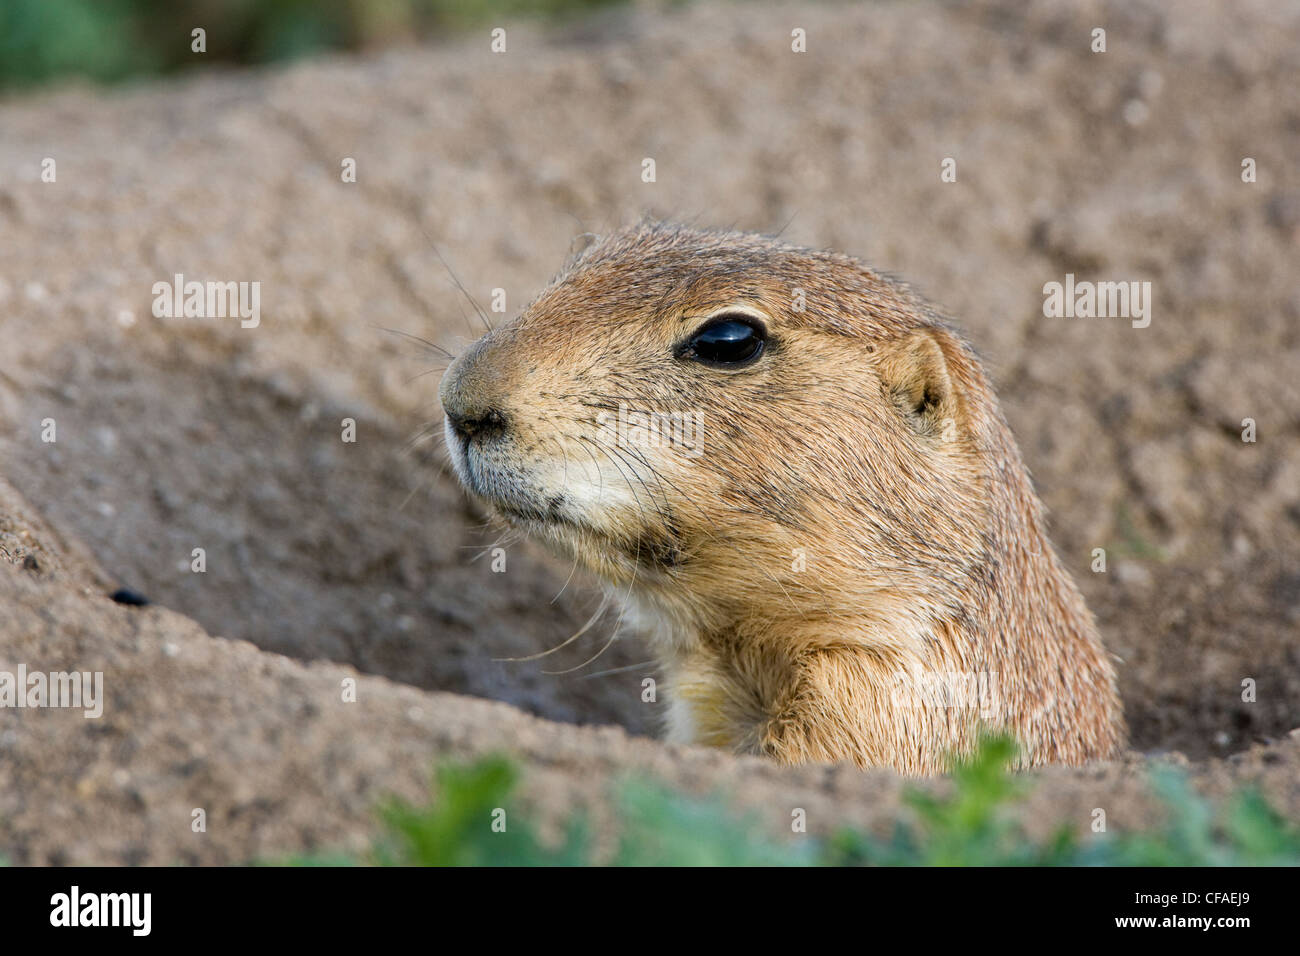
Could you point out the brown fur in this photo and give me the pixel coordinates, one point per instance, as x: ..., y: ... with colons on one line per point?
x: 866, y: 435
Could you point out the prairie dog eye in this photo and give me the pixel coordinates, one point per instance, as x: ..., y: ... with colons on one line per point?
x: 725, y: 341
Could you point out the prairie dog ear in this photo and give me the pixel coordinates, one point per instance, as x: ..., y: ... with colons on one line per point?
x: 916, y: 375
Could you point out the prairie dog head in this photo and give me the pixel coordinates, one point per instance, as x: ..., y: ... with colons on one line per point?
x: 731, y: 428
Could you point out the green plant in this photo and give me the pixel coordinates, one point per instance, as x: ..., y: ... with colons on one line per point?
x: 1133, y: 542
x: 1248, y: 832
x: 469, y: 823
x: 663, y: 828
x: 109, y: 40
x: 973, y: 824
x: 43, y: 39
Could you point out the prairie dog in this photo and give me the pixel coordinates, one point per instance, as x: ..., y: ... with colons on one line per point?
x: 799, y: 479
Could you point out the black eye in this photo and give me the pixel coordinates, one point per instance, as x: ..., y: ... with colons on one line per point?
x: 728, y: 340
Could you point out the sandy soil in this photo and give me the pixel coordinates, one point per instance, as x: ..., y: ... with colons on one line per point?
x: 364, y: 560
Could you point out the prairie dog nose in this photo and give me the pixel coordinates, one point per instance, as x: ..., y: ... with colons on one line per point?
x: 484, y: 424
x: 473, y: 393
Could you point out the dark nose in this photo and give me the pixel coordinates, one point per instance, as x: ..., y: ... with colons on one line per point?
x: 485, y: 424
x: 473, y: 392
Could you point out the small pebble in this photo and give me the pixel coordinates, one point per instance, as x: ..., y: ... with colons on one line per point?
x: 128, y: 597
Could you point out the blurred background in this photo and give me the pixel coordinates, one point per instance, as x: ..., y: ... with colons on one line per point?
x: 115, y: 40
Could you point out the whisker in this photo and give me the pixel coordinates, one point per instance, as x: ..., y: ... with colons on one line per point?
x: 618, y: 670
x: 436, y: 368
x: 782, y: 230
x: 428, y: 429
x: 574, y: 567
x: 419, y: 486
x: 445, y: 353
x: 581, y: 631
x: 569, y: 670
x: 456, y: 279
x: 631, y: 487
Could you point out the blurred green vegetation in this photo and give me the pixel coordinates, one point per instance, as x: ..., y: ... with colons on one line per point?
x: 975, y: 824
x: 110, y: 40
x: 1132, y: 542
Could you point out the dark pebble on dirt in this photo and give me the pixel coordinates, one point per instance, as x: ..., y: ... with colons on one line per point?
x: 129, y: 597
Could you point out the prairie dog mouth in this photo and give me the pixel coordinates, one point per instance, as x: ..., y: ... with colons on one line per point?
x: 593, y: 516
x: 503, y: 488
x: 519, y: 495
x: 550, y: 513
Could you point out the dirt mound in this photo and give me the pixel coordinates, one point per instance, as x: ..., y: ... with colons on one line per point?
x: 182, y: 433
